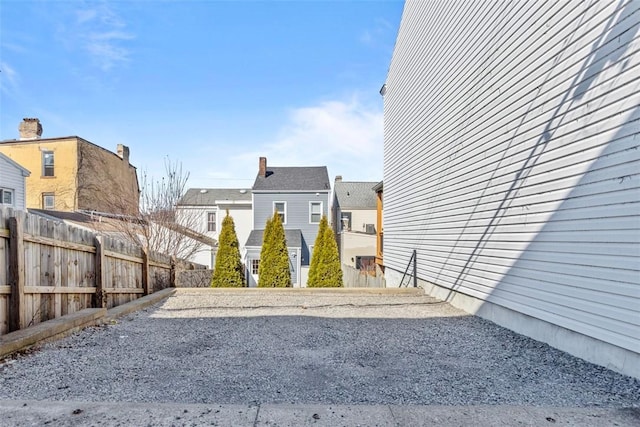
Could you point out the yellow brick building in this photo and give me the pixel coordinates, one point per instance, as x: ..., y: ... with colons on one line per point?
x: 71, y: 173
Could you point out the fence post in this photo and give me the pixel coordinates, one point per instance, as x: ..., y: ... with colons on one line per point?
x: 146, y: 278
x: 415, y: 268
x: 100, y: 295
x: 172, y: 273
x: 16, y: 273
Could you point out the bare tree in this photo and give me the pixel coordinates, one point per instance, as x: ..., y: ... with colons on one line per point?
x: 158, y: 227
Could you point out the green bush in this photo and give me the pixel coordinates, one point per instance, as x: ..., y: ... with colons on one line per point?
x: 228, y: 271
x: 313, y: 280
x: 325, y: 269
x: 274, y: 271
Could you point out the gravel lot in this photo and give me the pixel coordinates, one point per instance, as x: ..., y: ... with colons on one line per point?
x: 258, y: 348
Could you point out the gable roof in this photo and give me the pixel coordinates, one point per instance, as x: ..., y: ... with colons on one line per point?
x: 25, y: 172
x: 210, y: 196
x: 355, y: 195
x: 293, y: 237
x: 305, y: 178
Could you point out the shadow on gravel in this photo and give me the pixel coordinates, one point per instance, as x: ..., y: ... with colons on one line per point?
x: 313, y: 360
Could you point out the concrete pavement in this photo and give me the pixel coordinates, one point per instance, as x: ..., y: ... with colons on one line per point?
x: 38, y: 413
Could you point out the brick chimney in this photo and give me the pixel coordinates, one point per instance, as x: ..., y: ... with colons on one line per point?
x: 262, y: 170
x: 123, y: 152
x: 338, y: 178
x: 30, y: 129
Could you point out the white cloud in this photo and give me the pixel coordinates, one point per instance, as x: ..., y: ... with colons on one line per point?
x: 378, y: 31
x: 344, y: 135
x: 102, y: 34
x: 331, y: 130
x: 9, y: 78
x: 86, y: 15
x: 106, y: 50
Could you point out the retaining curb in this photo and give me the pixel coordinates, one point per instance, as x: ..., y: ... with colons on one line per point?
x: 138, y: 304
x: 62, y: 326
x: 49, y: 330
x: 315, y: 291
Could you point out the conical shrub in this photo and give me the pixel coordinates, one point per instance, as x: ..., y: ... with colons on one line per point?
x: 313, y: 279
x: 228, y: 271
x: 274, y: 270
x: 325, y: 269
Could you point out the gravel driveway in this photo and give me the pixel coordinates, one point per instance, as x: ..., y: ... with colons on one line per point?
x: 275, y: 347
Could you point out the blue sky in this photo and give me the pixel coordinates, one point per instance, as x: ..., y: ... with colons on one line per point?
x: 212, y: 84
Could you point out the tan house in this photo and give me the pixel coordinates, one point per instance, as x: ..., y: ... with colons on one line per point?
x: 71, y: 173
x: 355, y: 222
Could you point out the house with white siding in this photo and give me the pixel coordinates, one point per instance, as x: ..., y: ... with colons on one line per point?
x: 203, y: 210
x: 512, y: 167
x: 12, y: 183
x: 301, y: 196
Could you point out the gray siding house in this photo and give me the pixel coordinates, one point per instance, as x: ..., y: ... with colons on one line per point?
x: 512, y: 167
x: 301, y: 196
x: 12, y: 183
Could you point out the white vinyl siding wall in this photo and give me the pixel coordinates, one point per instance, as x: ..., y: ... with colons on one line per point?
x: 512, y: 158
x: 11, y: 178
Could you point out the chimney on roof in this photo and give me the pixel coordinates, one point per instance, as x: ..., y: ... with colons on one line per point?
x: 123, y: 152
x: 338, y: 178
x: 30, y: 129
x: 262, y: 170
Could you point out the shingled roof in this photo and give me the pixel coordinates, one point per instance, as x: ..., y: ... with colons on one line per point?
x: 355, y: 195
x: 306, y: 178
x: 293, y: 237
x: 209, y: 196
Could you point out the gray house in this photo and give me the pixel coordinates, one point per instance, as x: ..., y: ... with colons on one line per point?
x: 12, y: 183
x: 301, y: 196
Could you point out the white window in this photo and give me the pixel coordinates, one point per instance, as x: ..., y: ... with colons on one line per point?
x: 47, y: 163
x: 48, y: 201
x: 345, y: 221
x: 211, y: 221
x: 315, y: 212
x: 255, y: 266
x: 281, y: 208
x: 6, y: 196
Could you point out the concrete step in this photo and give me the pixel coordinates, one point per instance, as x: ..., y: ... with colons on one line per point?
x: 304, y: 291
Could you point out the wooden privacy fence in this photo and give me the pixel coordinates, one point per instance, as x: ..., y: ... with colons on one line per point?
x: 49, y: 269
x: 353, y: 278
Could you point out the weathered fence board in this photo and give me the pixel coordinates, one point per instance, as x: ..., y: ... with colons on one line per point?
x: 353, y: 278
x: 49, y: 269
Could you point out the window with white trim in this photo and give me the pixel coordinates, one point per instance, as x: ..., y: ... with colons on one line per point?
x: 47, y: 163
x: 345, y: 221
x: 255, y: 266
x: 281, y: 208
x: 315, y: 212
x: 6, y: 196
x: 48, y: 201
x: 211, y: 221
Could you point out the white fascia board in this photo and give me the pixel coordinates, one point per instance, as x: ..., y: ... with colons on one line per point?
x: 233, y: 202
x: 290, y: 191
